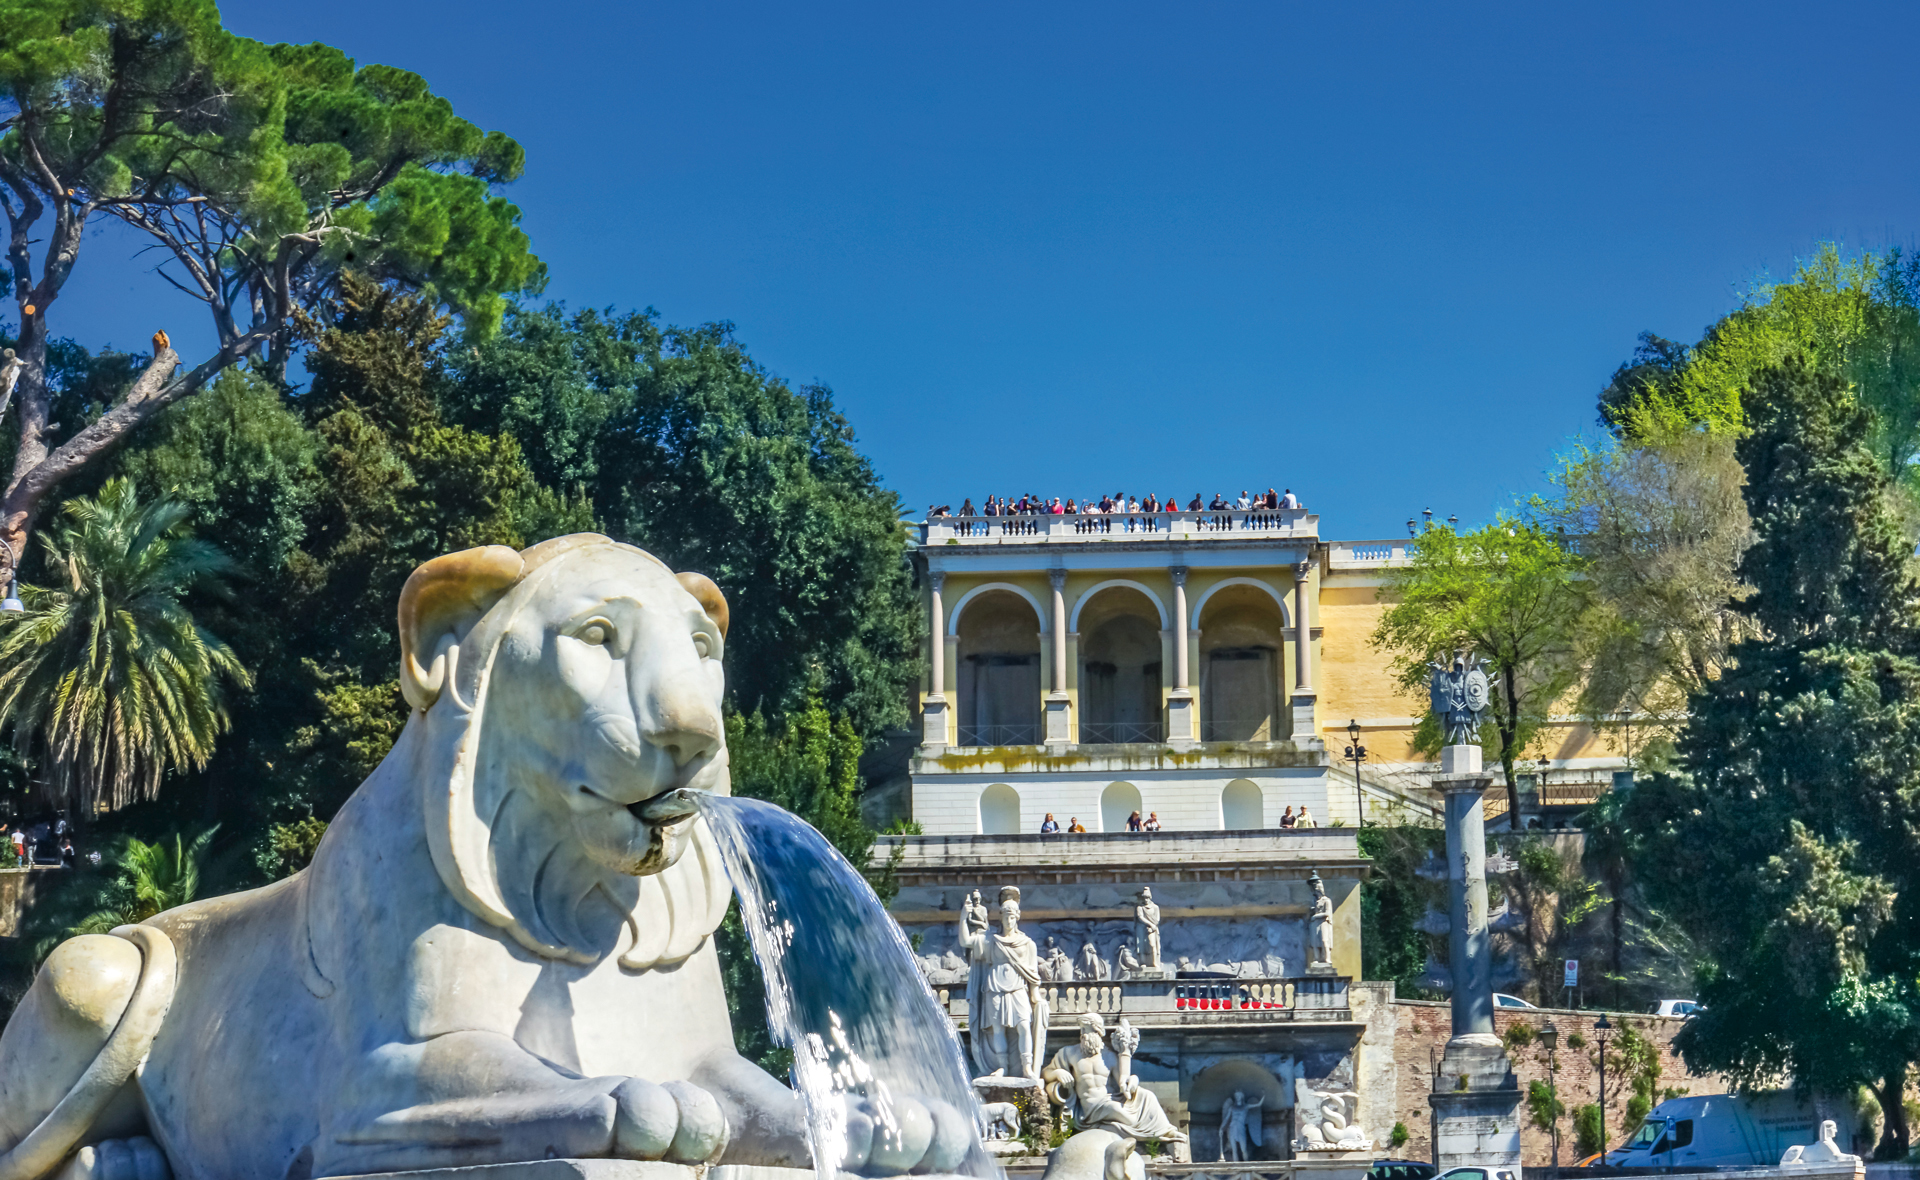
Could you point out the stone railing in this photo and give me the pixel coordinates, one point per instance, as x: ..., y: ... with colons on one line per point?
x: 1227, y: 524
x: 1319, y: 997
x: 1362, y: 555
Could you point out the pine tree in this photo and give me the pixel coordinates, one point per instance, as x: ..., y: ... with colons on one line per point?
x: 1787, y: 839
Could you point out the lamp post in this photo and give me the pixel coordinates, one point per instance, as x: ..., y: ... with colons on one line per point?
x: 11, y: 604
x: 1601, y: 1028
x: 1550, y: 1040
x: 1358, y: 754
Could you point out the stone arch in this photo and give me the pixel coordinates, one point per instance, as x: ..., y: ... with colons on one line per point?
x: 1243, y: 640
x: 1242, y: 806
x: 960, y: 607
x: 997, y: 658
x: 1080, y: 604
x: 1279, y: 599
x: 1215, y: 1084
x: 1117, y: 802
x: 1121, y: 675
x: 1000, y: 811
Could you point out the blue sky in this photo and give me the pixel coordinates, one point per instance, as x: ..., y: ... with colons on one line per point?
x: 1382, y: 254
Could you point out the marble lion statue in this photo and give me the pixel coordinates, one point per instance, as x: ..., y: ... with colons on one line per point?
x: 500, y: 952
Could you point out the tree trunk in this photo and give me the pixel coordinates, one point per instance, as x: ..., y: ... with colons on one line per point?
x: 1895, y: 1136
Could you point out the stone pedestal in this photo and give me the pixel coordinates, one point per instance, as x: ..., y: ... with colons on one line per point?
x: 933, y: 721
x: 1180, y: 718
x: 1476, y: 1128
x: 1059, y: 719
x: 1322, y: 969
x: 1306, y: 722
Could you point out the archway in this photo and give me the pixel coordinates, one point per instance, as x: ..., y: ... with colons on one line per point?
x: 1213, y: 1086
x: 1242, y: 806
x: 1242, y: 635
x: 1120, y: 691
x: 1000, y: 811
x: 998, y: 672
x: 1117, y: 802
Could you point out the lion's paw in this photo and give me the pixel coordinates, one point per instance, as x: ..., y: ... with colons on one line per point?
x: 138, y: 1158
x: 678, y: 1121
x: 905, y: 1135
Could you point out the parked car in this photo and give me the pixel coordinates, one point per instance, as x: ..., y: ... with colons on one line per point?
x: 1719, y: 1131
x: 1675, y: 1008
x: 1503, y: 1000
x: 1479, y: 1174
x: 1401, y: 1170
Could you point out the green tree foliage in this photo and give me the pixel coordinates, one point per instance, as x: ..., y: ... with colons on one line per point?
x: 1661, y: 527
x: 150, y: 878
x: 1393, y: 898
x: 290, y: 847
x: 261, y: 173
x: 108, y: 671
x: 1784, y: 839
x: 1512, y: 593
x: 1586, y: 1129
x: 691, y: 450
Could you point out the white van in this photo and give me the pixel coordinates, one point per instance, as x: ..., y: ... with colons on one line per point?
x: 1719, y: 1130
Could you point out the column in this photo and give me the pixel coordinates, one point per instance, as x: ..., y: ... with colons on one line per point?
x: 1306, y: 725
x: 1180, y: 700
x: 1059, y: 714
x: 933, y: 713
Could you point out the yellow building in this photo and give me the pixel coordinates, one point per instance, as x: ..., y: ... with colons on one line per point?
x: 1199, y: 667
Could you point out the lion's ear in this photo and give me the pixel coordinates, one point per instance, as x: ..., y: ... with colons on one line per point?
x: 708, y: 596
x: 446, y: 595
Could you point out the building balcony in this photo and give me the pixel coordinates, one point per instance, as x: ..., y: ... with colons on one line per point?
x: 1162, y: 1003
x: 1099, y: 528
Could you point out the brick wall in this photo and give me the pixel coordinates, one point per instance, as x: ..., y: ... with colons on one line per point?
x: 1421, y: 1030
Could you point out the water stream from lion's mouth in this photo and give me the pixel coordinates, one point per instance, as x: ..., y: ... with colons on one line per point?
x: 844, y: 994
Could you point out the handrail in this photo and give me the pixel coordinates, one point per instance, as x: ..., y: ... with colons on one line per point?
x: 1106, y: 526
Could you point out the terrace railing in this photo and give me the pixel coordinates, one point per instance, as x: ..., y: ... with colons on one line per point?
x: 1237, y: 523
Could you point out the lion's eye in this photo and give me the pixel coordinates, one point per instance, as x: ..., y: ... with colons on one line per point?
x: 595, y: 633
x: 703, y: 645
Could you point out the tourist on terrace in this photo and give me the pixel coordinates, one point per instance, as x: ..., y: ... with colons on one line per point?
x: 1074, y: 824
x: 1289, y: 501
x: 1286, y: 819
x: 1305, y: 820
x: 1153, y: 822
x: 1049, y: 825
x: 1133, y: 822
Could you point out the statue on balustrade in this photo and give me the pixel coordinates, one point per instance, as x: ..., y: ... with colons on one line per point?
x: 1104, y: 1097
x: 1320, y: 926
x: 1146, y: 918
x: 1009, y: 1023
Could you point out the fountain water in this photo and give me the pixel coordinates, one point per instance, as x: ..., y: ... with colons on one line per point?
x: 844, y: 994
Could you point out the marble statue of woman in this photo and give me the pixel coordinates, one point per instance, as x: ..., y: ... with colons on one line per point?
x: 1079, y: 1079
x: 1009, y: 1027
x: 1320, y: 924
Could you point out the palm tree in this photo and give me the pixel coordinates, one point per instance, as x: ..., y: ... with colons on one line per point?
x: 109, y: 670
x: 153, y: 877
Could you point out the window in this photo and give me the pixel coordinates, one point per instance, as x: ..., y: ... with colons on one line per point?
x: 1682, y: 1134
x: 1242, y: 806
x: 1000, y: 811
x: 1117, y: 802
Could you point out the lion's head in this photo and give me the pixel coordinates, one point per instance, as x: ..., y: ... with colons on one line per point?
x: 575, y: 681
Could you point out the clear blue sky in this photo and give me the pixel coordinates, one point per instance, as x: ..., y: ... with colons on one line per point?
x: 1382, y: 254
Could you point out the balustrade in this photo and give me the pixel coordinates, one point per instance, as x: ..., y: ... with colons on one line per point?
x: 1321, y: 997
x: 1092, y: 526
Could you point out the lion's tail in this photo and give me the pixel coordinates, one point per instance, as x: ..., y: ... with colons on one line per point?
x: 48, y: 1145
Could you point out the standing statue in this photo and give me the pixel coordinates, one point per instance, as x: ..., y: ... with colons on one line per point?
x: 1320, y: 924
x: 1146, y: 919
x: 1239, y: 1124
x: 974, y: 919
x: 1009, y: 1027
x: 1079, y: 1080
x: 1460, y: 694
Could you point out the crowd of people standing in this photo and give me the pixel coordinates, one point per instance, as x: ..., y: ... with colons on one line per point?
x: 1126, y: 513
x: 46, y: 843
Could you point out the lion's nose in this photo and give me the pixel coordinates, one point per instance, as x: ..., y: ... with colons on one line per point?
x: 686, y: 738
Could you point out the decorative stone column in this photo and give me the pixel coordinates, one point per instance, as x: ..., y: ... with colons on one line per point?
x: 933, y: 713
x: 1180, y: 699
x: 1059, y: 713
x: 1476, y: 1098
x: 1306, y: 723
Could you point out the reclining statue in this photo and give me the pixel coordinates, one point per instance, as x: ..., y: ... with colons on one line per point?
x: 500, y: 952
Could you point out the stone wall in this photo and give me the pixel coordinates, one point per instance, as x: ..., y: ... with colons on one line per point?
x: 1420, y: 1032
x: 16, y: 895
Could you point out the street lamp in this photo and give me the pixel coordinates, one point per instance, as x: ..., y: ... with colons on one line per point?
x: 1428, y: 513
x: 1410, y: 528
x: 11, y: 603
x: 1550, y: 1040
x: 1358, y: 753
x: 1601, y: 1028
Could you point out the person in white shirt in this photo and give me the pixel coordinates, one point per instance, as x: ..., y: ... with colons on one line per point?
x: 1289, y: 501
